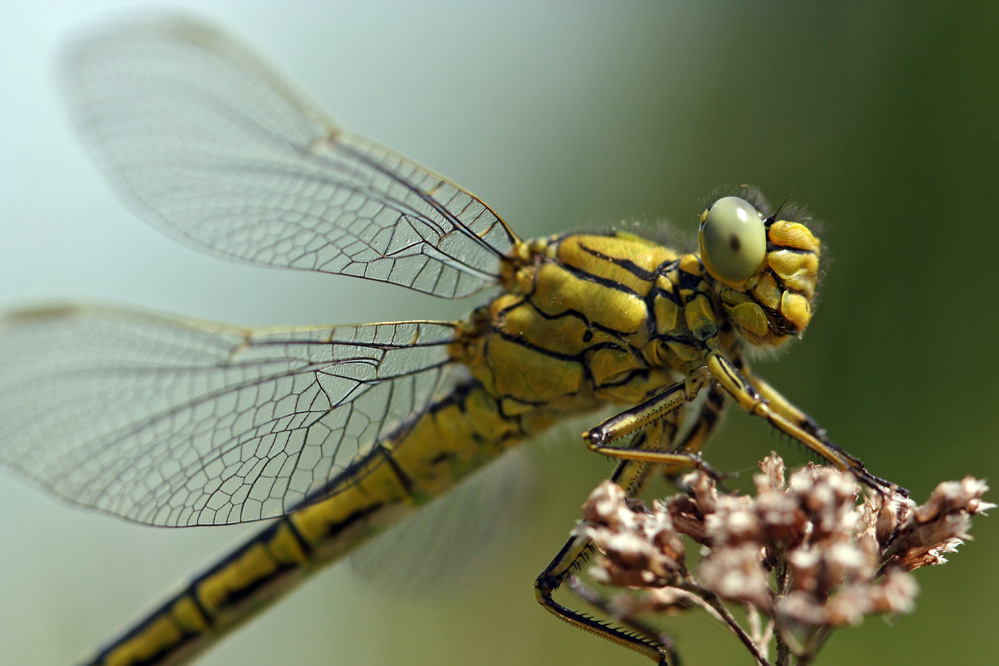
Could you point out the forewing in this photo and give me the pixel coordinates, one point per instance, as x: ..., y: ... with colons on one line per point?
x: 172, y: 422
x: 201, y: 136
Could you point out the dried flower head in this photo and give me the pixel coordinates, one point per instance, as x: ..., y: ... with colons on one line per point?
x: 640, y: 547
x: 809, y: 554
x: 911, y: 536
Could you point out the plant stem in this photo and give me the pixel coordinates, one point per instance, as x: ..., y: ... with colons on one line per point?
x: 712, y: 600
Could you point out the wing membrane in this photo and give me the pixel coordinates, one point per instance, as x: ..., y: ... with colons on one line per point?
x: 171, y: 422
x: 204, y: 138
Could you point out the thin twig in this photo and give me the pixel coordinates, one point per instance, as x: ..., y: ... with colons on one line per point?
x: 712, y: 599
x: 783, y: 650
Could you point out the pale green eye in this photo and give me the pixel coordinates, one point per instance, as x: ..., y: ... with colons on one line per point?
x: 733, y: 239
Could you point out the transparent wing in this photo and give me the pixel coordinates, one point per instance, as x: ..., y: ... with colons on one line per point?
x: 203, y: 137
x: 172, y: 422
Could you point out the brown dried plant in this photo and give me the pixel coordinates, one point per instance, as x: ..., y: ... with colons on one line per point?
x: 802, y: 557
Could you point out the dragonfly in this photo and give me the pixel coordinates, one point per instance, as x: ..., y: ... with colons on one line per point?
x: 334, y: 433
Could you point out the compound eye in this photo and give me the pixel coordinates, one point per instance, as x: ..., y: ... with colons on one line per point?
x: 733, y: 239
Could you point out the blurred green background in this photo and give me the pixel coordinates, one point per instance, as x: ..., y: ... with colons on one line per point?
x: 881, y: 117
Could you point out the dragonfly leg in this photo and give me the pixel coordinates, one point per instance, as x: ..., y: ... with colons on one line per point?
x: 631, y: 474
x: 760, y: 399
x: 674, y: 458
x: 633, y: 624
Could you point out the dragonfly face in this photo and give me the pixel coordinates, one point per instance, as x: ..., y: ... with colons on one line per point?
x: 765, y: 269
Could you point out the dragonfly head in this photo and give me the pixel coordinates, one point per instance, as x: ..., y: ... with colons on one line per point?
x: 765, y: 269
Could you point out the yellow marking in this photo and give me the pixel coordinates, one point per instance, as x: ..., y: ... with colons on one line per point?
x: 667, y: 315
x: 181, y: 620
x: 252, y: 566
x: 563, y: 335
x: 686, y: 353
x: 514, y: 407
x: 542, y: 379
x: 767, y: 292
x: 577, y: 251
x: 608, y: 364
x: 189, y: 616
x: 286, y: 548
x: 793, y: 234
x: 690, y: 264
x: 750, y: 317
x: 605, y: 307
x: 797, y: 270
x: 314, y: 522
x: 700, y: 317
x: 795, y: 307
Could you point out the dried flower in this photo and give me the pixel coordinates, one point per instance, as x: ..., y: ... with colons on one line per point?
x: 803, y: 553
x: 919, y: 536
x: 735, y: 573
x: 639, y: 547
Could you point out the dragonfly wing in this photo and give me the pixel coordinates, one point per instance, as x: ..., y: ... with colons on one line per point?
x: 204, y: 138
x: 172, y: 422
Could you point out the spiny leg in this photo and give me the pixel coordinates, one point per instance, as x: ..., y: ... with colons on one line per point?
x: 631, y: 475
x: 753, y: 394
x: 708, y: 417
x: 760, y: 399
x: 657, y: 409
x: 630, y: 623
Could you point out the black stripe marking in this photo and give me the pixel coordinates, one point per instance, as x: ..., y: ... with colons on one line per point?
x: 541, y: 350
x: 236, y: 596
x: 581, y: 317
x: 196, y: 600
x: 669, y: 295
x: 689, y: 281
x: 154, y: 617
x: 404, y: 479
x: 604, y: 282
x: 626, y: 264
x: 299, y: 539
x: 513, y: 306
x: 772, y: 247
x: 588, y: 335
